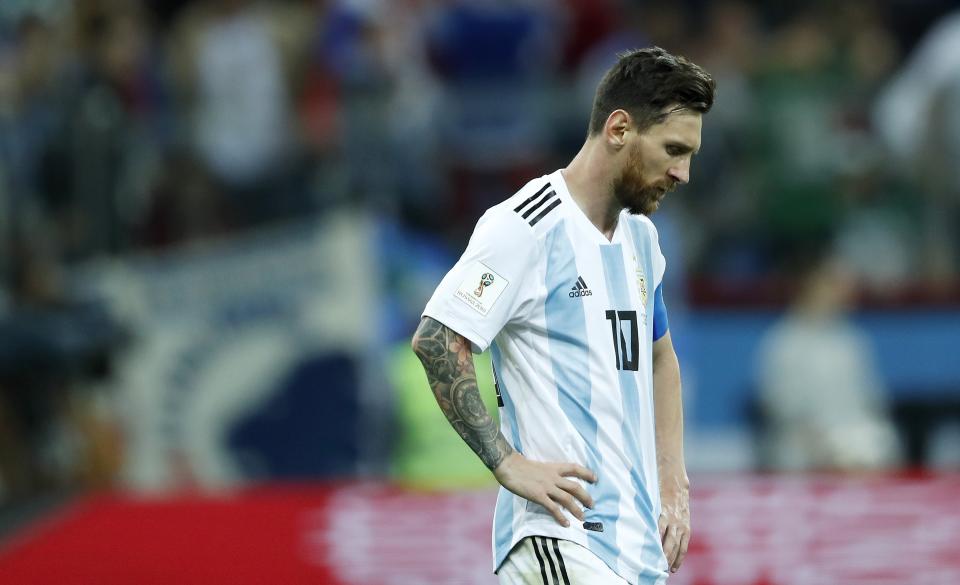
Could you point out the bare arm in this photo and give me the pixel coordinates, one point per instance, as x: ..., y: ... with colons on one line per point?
x: 447, y: 358
x: 448, y: 361
x: 674, y: 484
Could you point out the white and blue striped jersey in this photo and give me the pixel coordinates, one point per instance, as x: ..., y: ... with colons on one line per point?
x: 570, y: 319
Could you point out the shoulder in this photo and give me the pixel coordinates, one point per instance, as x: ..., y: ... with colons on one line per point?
x: 528, y: 213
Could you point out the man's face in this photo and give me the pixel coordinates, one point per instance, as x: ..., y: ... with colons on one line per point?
x: 656, y: 160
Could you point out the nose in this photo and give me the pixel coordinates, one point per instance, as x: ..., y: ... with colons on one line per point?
x: 681, y: 172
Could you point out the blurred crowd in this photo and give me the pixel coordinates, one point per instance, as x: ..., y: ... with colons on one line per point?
x: 128, y: 125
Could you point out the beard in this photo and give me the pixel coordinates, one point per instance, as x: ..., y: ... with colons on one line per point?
x: 633, y: 193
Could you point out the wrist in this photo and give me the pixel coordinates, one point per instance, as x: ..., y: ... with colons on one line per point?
x: 674, y: 478
x: 671, y: 467
x: 503, y: 469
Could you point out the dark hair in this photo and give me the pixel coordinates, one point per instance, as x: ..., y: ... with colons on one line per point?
x: 645, y: 81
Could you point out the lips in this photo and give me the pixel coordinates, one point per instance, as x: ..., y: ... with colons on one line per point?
x: 662, y: 191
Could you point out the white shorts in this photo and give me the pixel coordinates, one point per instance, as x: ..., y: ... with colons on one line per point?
x: 539, y: 560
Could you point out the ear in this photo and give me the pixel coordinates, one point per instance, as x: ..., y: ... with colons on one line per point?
x: 616, y: 127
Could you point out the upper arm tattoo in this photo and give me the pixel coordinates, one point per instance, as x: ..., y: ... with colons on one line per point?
x: 447, y: 358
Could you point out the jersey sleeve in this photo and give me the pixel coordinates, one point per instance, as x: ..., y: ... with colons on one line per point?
x: 661, y: 323
x: 489, y: 285
x: 659, y: 262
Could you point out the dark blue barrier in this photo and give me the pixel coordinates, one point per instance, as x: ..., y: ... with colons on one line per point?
x: 309, y: 428
x: 917, y: 352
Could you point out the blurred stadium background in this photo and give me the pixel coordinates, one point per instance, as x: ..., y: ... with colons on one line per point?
x: 219, y: 220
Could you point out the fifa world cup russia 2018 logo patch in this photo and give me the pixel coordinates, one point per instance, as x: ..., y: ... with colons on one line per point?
x: 483, y: 295
x: 485, y: 280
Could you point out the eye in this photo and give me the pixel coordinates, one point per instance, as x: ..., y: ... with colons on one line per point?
x: 674, y: 150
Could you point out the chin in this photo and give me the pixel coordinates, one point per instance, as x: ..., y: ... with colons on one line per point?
x: 639, y: 201
x: 645, y: 208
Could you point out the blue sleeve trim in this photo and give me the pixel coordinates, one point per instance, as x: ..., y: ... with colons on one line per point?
x: 660, y: 321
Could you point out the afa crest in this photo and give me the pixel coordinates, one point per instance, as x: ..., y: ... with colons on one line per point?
x: 641, y: 281
x: 641, y: 286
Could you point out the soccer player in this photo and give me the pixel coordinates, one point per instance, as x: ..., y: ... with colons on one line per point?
x: 563, y: 282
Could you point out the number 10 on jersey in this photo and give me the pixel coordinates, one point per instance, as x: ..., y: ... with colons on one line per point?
x: 622, y: 325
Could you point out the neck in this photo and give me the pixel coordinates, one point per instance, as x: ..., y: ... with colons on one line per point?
x: 589, y: 179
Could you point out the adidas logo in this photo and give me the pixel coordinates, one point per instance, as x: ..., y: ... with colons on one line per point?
x: 579, y: 289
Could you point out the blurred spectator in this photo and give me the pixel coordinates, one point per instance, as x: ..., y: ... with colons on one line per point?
x: 101, y: 155
x: 799, y: 144
x: 587, y: 23
x: 186, y: 205
x: 73, y: 138
x: 880, y: 236
x: 234, y: 63
x: 719, y: 239
x: 903, y: 107
x: 374, y: 53
x: 627, y: 32
x: 916, y: 115
x: 412, y: 121
x: 821, y: 396
x: 29, y: 115
x: 495, y: 60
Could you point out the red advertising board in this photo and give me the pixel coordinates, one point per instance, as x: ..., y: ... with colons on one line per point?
x: 747, y: 531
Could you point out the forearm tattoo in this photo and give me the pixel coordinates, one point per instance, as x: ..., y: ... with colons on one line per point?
x: 448, y: 360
